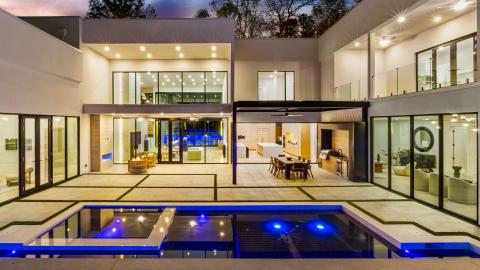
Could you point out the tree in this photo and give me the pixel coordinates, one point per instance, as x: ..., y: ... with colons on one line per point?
x: 119, y: 9
x: 249, y: 16
x: 327, y: 13
x: 282, y: 12
x: 306, y: 24
x: 202, y: 13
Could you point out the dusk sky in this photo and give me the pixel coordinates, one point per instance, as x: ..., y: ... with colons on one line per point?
x: 165, y: 8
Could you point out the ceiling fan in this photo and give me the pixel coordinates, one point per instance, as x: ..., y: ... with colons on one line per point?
x: 287, y: 115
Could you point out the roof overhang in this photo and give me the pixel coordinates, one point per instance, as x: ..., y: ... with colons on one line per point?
x: 144, y: 109
x: 300, y: 111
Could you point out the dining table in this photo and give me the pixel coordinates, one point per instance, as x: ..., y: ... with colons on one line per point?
x: 288, y: 164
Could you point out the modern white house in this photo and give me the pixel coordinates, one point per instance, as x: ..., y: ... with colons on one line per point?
x: 388, y: 95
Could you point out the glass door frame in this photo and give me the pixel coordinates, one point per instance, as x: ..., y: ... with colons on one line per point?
x: 170, y: 141
x: 38, y: 186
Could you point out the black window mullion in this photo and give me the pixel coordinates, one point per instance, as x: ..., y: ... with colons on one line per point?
x: 412, y: 156
x: 440, y: 163
x: 204, y: 87
x: 389, y: 152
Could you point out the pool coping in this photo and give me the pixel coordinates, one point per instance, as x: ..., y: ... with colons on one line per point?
x: 416, y: 236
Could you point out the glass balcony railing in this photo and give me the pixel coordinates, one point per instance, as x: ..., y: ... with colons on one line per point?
x: 352, y: 91
x: 409, y: 79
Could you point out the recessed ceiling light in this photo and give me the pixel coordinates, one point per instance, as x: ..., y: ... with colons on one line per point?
x: 401, y: 19
x: 149, y: 55
x: 356, y: 44
x: 178, y: 48
x: 384, y: 42
x: 437, y: 19
x: 117, y: 55
x: 460, y: 5
x: 142, y: 48
x: 181, y: 55
x: 214, y: 55
x: 214, y: 48
x: 106, y: 48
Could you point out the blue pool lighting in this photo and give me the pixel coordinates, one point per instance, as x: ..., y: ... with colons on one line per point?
x: 118, y: 220
x: 320, y: 227
x: 14, y: 251
x: 407, y: 251
x: 277, y: 226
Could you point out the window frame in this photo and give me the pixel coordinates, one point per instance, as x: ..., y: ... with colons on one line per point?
x: 285, y: 82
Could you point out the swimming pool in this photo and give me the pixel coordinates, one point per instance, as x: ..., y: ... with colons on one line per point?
x: 220, y: 232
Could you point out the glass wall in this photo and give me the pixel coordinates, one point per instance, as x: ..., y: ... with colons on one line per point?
x: 148, y: 135
x: 380, y: 151
x: 400, y: 141
x: 194, y: 141
x: 170, y: 87
x: 426, y: 157
x: 124, y: 88
x: 276, y: 85
x: 443, y: 165
x: 9, y: 157
x: 58, y: 148
x: 123, y: 145
x: 460, y: 164
x: 216, y: 144
x: 147, y: 87
x: 72, y: 146
x: 448, y: 64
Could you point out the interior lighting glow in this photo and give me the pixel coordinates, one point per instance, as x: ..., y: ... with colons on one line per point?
x: 460, y: 5
x: 106, y: 48
x: 401, y: 19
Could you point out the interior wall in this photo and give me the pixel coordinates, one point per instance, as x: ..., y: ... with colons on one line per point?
x: 350, y: 66
x: 307, y: 78
x: 327, y: 79
x: 106, y: 141
x: 256, y: 132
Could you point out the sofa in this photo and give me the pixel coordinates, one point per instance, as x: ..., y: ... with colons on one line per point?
x: 462, y: 191
x: 433, y: 185
x: 421, y: 180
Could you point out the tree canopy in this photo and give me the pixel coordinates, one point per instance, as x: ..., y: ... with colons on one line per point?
x: 119, y: 9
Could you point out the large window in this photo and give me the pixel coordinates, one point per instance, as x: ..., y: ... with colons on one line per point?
x: 460, y: 164
x: 9, y: 159
x: 448, y: 64
x: 170, y: 87
x: 444, y: 153
x: 380, y: 151
x: 58, y: 148
x: 124, y: 139
x: 276, y: 85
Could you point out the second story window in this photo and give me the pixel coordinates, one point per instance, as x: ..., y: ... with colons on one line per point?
x: 276, y: 85
x: 170, y: 87
x: 448, y: 64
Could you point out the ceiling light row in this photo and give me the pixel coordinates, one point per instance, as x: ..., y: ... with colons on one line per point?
x: 459, y: 6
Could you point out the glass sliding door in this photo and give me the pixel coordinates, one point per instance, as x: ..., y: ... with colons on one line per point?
x: 194, y: 141
x: 58, y: 149
x: 35, y: 153
x: 380, y: 151
x: 400, y: 151
x: 164, y: 143
x: 426, y: 158
x: 148, y: 134
x: 147, y: 87
x: 72, y: 147
x: 425, y: 71
x: 216, y: 145
x: 170, y: 141
x: 9, y: 156
x: 465, y: 61
x: 460, y: 134
x: 443, y: 68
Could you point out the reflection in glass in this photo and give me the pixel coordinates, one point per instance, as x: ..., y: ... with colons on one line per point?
x: 400, y: 140
x: 9, y: 151
x: 148, y: 135
x: 275, y: 85
x: 164, y: 141
x: 194, y: 87
x: 460, y: 164
x: 380, y: 151
x: 124, y: 87
x: 30, y: 157
x: 58, y: 148
x: 147, y: 86
x: 216, y: 87
x: 123, y: 130
x: 193, y: 141
x: 170, y: 87
x: 215, y: 133
x: 465, y: 61
x: 426, y: 158
x: 72, y: 147
x: 424, y: 71
x: 44, y: 152
x: 443, y: 69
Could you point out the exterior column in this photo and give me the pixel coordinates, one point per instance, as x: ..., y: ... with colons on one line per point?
x: 371, y: 66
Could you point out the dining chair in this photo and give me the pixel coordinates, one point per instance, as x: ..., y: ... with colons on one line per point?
x: 279, y: 168
x: 298, y: 171
x: 309, y: 168
x: 271, y: 165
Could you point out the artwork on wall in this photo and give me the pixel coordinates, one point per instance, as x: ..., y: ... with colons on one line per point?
x: 11, y: 144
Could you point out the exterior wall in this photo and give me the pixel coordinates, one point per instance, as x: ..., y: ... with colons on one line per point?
x: 298, y: 55
x: 97, y: 84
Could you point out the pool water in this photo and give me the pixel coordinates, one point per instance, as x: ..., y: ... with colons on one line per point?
x: 222, y: 233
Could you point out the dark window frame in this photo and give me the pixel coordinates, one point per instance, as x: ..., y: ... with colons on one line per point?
x: 285, y: 83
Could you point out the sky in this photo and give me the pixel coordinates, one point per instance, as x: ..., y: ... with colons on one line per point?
x: 164, y: 8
